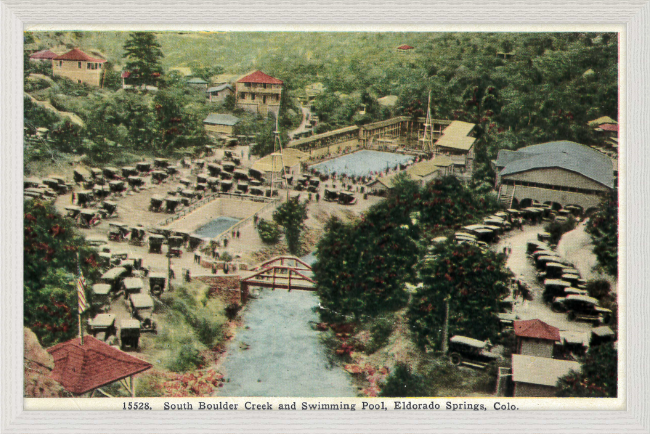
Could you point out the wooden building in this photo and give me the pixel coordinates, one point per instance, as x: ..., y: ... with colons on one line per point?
x: 220, y: 124
x: 219, y: 93
x: 259, y: 93
x: 536, y: 338
x: 457, y: 141
x: 331, y: 142
x: 537, y: 376
x: 79, y: 67
x: 277, y: 163
x: 566, y: 173
x: 197, y: 83
x: 43, y: 56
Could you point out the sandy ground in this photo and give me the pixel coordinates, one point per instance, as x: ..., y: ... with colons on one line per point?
x: 133, y: 210
x: 524, y: 269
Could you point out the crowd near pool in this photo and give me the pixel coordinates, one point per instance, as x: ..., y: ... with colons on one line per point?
x: 216, y: 227
x: 362, y: 163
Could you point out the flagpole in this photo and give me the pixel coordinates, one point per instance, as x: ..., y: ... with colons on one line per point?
x: 81, y: 334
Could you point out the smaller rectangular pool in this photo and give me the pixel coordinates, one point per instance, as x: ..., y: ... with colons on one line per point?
x: 362, y: 163
x: 216, y: 227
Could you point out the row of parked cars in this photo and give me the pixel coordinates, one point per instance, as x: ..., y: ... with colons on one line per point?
x: 564, y: 288
x: 45, y: 189
x: 125, y: 277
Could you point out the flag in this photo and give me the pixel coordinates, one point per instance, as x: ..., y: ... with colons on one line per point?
x: 81, y: 292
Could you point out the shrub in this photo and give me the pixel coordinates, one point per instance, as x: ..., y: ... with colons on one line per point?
x: 269, y: 231
x: 380, y: 331
x: 403, y: 383
x: 598, y: 288
x: 186, y: 358
x: 232, y: 310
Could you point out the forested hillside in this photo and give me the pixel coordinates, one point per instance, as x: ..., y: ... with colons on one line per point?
x: 521, y: 88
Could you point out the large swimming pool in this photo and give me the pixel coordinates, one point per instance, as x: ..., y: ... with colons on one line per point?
x: 362, y: 163
x: 216, y: 227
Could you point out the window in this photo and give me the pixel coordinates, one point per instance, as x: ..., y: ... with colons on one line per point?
x: 247, y: 84
x: 264, y: 98
x: 242, y: 95
x: 79, y: 64
x: 60, y: 63
x: 252, y: 97
x: 264, y: 85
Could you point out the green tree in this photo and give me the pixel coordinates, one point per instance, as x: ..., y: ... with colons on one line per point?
x: 291, y: 215
x: 206, y: 72
x: 362, y: 266
x: 402, y: 383
x: 471, y: 281
x: 143, y: 54
x: 269, y: 231
x: 51, y: 245
x: 603, y: 228
x: 598, y: 377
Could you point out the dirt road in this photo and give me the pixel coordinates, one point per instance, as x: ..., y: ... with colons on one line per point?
x: 524, y: 269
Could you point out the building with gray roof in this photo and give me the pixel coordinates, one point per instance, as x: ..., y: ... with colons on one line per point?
x: 220, y: 92
x: 220, y: 124
x: 562, y: 172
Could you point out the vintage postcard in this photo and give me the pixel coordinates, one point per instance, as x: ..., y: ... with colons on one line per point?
x: 323, y: 220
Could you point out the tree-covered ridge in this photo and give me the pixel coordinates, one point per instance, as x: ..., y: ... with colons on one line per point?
x: 50, y: 268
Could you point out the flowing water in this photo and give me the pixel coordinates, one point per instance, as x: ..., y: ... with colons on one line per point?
x: 278, y: 353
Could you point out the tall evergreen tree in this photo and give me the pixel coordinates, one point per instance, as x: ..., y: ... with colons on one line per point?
x: 291, y: 215
x: 143, y: 54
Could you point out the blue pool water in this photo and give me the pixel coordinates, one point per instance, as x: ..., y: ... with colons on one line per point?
x: 215, y: 227
x: 362, y: 163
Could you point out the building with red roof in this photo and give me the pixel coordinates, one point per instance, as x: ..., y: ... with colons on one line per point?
x: 79, y: 67
x: 259, y: 93
x: 84, y: 368
x: 405, y: 47
x: 43, y: 56
x: 536, y: 338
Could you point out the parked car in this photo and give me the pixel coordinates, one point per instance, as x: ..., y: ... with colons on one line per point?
x: 470, y: 352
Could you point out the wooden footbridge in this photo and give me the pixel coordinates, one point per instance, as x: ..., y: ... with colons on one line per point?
x: 281, y: 272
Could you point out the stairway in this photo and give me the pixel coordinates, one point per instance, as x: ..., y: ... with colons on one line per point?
x: 506, y: 194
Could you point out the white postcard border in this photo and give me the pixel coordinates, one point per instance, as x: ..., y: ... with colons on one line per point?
x: 512, y: 15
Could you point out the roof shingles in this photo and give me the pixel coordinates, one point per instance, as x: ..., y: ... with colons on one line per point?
x: 537, y: 329
x: 82, y: 368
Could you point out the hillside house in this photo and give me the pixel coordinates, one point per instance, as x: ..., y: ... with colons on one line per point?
x: 220, y: 124
x: 218, y: 94
x: 566, y: 173
x: 197, y: 83
x: 259, y: 93
x: 404, y: 49
x: 537, y: 376
x: 536, y: 338
x: 43, y: 56
x: 79, y: 67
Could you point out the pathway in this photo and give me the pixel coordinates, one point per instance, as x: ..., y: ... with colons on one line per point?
x: 524, y: 269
